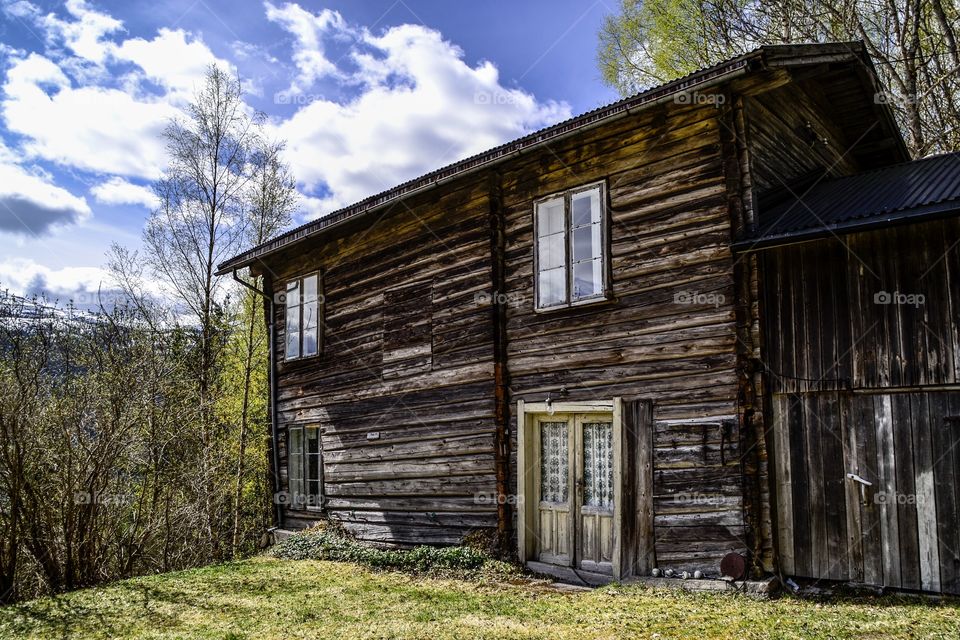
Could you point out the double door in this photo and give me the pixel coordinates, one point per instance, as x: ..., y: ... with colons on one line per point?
x: 574, y: 484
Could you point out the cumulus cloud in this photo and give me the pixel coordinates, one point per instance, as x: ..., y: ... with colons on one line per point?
x: 83, y: 35
x: 421, y: 106
x: 92, y: 128
x: 116, y: 191
x: 412, y: 103
x: 173, y: 59
x: 101, y: 122
x: 30, y: 204
x: 308, y: 31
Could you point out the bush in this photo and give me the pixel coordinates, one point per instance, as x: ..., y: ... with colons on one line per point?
x: 333, y: 544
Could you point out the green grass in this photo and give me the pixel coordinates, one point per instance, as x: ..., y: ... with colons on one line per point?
x: 272, y: 598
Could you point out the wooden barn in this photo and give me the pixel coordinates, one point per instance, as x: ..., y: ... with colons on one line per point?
x: 644, y: 337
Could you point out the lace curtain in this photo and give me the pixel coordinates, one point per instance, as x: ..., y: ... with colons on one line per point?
x: 553, y: 466
x: 598, y: 464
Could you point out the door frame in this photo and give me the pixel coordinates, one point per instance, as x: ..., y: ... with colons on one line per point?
x: 528, y: 476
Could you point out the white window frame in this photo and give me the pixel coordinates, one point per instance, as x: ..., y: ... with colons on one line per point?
x: 301, y: 330
x: 297, y: 469
x: 569, y: 299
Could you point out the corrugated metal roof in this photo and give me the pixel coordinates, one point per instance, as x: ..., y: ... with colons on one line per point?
x: 772, y: 55
x: 910, y: 190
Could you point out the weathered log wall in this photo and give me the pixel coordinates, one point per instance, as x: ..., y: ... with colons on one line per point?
x: 656, y: 340
x: 403, y: 390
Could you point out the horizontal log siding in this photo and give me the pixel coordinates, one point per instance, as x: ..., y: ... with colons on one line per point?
x: 670, y: 232
x: 429, y: 478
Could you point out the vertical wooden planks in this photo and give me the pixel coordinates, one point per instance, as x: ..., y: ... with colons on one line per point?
x: 833, y: 478
x: 886, y: 491
x: 945, y: 439
x: 781, y: 443
x: 853, y: 491
x: 870, y: 526
x: 928, y: 548
x: 803, y: 548
x: 905, y: 497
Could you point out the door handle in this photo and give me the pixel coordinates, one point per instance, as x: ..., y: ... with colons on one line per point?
x: 863, y: 487
x: 857, y: 478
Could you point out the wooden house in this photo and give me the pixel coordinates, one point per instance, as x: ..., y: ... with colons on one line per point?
x: 626, y: 342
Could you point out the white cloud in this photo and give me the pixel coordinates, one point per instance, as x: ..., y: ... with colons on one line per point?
x: 308, y: 31
x: 414, y: 103
x: 30, y: 204
x: 83, y: 35
x: 28, y: 277
x: 116, y: 190
x: 92, y: 128
x: 421, y: 107
x: 173, y: 59
x: 103, y: 121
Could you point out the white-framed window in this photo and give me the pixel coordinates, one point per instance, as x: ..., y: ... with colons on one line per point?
x: 303, y: 309
x: 571, y: 248
x: 305, y: 467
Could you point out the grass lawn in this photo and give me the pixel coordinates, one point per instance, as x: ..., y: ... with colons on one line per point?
x: 270, y: 598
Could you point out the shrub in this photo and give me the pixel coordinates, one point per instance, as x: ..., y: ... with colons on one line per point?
x: 334, y: 544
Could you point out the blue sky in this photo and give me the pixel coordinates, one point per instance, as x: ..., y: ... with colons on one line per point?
x: 366, y: 94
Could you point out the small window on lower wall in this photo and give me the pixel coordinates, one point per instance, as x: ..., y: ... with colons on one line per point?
x: 305, y: 467
x: 570, y: 248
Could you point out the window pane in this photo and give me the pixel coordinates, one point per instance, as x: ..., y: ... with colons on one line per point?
x: 553, y: 462
x: 552, y: 287
x: 598, y: 464
x: 293, y: 293
x: 551, y: 252
x: 587, y: 242
x: 293, y: 332
x: 295, y: 466
x: 586, y: 207
x: 310, y: 289
x: 550, y: 217
x: 310, y: 327
x: 587, y: 279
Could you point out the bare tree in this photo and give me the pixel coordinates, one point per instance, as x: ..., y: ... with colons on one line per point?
x: 199, y: 223
x: 271, y: 200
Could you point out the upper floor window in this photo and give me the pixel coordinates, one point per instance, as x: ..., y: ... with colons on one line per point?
x: 303, y: 302
x: 570, y: 257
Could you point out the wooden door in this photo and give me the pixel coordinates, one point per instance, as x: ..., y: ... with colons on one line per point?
x: 595, y: 487
x: 867, y: 487
x: 575, y: 489
x: 553, y: 488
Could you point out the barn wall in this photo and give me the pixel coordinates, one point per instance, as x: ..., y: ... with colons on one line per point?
x: 862, y: 341
x: 670, y: 235
x: 407, y: 354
